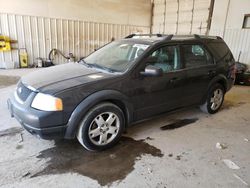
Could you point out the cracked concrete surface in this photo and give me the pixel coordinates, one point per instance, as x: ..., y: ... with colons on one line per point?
x: 148, y: 156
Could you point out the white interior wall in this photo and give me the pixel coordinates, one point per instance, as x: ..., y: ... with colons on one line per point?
x: 69, y: 25
x: 227, y: 22
x: 127, y: 12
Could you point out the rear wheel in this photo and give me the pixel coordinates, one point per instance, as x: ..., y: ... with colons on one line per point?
x: 214, y: 99
x: 102, y: 127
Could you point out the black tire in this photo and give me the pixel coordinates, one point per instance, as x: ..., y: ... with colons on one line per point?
x: 207, y: 106
x: 89, y: 120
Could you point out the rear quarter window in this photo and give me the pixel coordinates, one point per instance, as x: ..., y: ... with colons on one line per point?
x: 196, y: 55
x: 219, y: 49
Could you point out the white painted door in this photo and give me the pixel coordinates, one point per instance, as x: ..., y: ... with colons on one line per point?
x: 181, y: 16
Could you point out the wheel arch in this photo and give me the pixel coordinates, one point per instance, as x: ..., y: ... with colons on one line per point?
x: 112, y: 96
x: 220, y: 79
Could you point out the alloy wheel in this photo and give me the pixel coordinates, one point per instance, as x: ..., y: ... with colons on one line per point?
x: 216, y: 99
x: 104, y: 128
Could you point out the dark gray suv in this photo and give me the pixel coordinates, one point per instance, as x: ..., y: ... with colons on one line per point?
x: 123, y: 82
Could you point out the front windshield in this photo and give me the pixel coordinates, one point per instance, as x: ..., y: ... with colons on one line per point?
x: 117, y: 56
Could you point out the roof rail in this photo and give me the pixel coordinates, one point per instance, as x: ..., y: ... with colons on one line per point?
x: 197, y: 36
x: 142, y: 35
x: 206, y: 36
x: 168, y: 37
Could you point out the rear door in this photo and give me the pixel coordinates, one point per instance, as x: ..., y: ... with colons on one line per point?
x: 200, y: 69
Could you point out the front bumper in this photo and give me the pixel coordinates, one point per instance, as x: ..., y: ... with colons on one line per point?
x: 243, y: 78
x: 47, y: 125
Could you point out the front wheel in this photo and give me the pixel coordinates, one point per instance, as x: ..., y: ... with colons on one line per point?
x: 214, y: 99
x: 101, y: 127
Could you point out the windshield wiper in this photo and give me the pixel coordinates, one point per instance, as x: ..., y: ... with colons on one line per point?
x: 102, y: 67
x: 81, y: 61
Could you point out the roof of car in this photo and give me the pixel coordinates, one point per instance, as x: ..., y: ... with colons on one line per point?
x: 153, y: 38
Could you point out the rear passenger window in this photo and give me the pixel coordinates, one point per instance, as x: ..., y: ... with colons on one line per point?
x: 196, y: 55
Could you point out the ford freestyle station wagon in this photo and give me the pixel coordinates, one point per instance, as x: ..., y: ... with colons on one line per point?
x: 125, y: 81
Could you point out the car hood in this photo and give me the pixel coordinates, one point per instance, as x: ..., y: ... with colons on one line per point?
x: 60, y: 77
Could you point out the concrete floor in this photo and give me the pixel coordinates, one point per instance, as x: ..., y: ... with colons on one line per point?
x: 147, y: 156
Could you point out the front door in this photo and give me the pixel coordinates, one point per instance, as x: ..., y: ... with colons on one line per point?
x: 154, y: 95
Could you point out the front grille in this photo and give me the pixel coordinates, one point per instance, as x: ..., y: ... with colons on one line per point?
x: 22, y: 91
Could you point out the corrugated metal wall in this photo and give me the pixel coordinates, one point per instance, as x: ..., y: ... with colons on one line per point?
x: 238, y: 41
x: 181, y: 16
x: 40, y: 34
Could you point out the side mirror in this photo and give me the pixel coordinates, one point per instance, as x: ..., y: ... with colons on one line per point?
x: 151, y: 70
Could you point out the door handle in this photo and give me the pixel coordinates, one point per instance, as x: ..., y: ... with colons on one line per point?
x: 172, y: 80
x: 211, y: 72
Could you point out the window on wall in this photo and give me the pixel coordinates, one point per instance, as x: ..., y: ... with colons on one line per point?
x: 246, y: 22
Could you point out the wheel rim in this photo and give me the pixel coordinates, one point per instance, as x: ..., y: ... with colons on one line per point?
x: 104, y: 128
x: 216, y: 99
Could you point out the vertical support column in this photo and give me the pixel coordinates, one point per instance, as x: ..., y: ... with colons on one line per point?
x: 78, y: 38
x: 16, y: 37
x: 56, y: 33
x: 38, y: 39
x: 225, y: 23
x: 31, y: 40
x: 164, y: 19
x: 44, y: 39
x: 178, y: 12
x: 67, y: 28
x: 73, y: 37
x: 62, y: 36
x: 192, y: 18
x: 50, y: 35
x: 152, y: 17
x: 211, y: 9
x: 8, y: 33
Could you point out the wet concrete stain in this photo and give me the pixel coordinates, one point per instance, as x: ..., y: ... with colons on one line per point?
x: 230, y: 104
x: 26, y: 174
x: 179, y: 123
x: 105, y: 167
x: 8, y: 80
x: 178, y: 157
x: 149, y: 138
x: 11, y: 132
x: 19, y: 146
x: 170, y: 155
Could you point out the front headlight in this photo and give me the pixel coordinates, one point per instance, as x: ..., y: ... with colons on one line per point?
x: 47, y: 103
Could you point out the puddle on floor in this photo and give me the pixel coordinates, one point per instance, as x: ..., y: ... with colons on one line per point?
x: 178, y: 124
x: 229, y: 104
x: 19, y: 146
x: 8, y: 80
x: 105, y: 167
x: 11, y: 132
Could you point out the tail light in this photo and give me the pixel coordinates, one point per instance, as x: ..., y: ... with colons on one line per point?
x: 233, y: 71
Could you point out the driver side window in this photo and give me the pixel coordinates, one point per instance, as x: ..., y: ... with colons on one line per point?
x: 167, y: 58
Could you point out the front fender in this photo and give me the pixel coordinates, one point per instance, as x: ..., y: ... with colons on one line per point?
x: 92, y: 100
